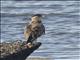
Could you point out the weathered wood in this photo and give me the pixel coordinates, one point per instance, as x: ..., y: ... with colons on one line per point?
x: 23, y: 54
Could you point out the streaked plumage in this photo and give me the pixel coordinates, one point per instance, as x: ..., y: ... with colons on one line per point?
x: 34, y: 29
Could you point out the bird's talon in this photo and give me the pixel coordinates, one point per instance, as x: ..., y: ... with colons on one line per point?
x: 29, y: 45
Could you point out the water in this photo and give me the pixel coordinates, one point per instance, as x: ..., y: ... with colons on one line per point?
x: 61, y: 19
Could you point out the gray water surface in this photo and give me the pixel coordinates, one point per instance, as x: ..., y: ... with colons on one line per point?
x: 61, y: 19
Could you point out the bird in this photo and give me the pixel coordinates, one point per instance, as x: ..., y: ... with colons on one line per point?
x: 34, y: 29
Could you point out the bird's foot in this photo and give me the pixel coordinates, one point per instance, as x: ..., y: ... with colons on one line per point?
x: 29, y: 45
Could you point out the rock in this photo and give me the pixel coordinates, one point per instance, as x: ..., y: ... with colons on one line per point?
x: 16, y: 50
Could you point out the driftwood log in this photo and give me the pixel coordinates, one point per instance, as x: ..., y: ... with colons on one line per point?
x: 23, y: 54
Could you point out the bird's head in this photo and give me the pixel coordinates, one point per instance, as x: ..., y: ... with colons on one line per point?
x: 36, y: 18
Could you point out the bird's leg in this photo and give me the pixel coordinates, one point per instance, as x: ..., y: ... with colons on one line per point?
x: 30, y: 44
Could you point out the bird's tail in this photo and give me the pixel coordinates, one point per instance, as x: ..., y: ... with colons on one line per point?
x: 30, y: 39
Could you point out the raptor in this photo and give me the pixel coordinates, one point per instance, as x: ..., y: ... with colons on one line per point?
x: 34, y: 29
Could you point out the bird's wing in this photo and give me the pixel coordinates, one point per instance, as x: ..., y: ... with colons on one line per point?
x: 35, y: 32
x: 27, y: 31
x: 33, y: 35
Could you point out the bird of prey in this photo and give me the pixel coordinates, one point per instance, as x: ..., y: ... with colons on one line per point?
x: 34, y: 29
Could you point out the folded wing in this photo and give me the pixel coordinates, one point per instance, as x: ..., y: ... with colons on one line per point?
x: 33, y: 33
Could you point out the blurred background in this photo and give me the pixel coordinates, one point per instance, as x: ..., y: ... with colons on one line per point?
x: 61, y: 19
